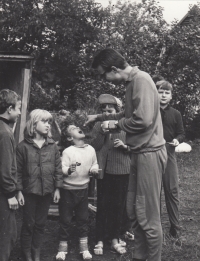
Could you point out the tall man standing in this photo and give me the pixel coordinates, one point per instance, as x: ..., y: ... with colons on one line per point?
x: 141, y: 120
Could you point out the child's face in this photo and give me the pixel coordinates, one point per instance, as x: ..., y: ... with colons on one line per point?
x: 43, y: 127
x: 165, y: 96
x: 108, y: 108
x: 75, y: 132
x: 15, y: 112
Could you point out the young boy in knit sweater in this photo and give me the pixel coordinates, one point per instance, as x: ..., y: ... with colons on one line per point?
x: 78, y: 161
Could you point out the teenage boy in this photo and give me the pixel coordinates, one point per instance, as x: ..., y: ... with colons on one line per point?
x: 173, y: 134
x: 10, y: 105
x: 141, y: 120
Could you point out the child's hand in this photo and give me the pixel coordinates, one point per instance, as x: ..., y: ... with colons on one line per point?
x: 72, y: 168
x: 174, y: 143
x: 56, y: 196
x: 20, y: 198
x: 94, y: 173
x: 119, y: 143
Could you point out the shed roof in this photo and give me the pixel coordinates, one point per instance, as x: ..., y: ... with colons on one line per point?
x: 15, y: 56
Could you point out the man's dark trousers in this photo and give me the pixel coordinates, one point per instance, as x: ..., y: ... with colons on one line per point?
x: 143, y: 202
x: 8, y: 229
x: 171, y: 189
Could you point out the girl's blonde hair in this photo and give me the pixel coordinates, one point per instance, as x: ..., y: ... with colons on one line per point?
x: 34, y: 117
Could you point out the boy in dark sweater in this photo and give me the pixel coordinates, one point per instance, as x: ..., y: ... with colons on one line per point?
x: 10, y: 105
x: 173, y: 134
x: 141, y: 120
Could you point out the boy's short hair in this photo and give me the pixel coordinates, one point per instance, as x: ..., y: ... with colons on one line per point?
x: 107, y: 58
x: 8, y: 98
x: 156, y: 78
x: 164, y: 85
x: 35, y: 116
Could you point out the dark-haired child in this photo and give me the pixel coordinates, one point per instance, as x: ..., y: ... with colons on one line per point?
x: 10, y: 106
x: 78, y: 161
x: 39, y: 174
x: 114, y: 160
x: 173, y: 134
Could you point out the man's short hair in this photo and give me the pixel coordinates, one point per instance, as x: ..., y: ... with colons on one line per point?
x: 107, y: 58
x: 8, y: 98
x: 164, y: 85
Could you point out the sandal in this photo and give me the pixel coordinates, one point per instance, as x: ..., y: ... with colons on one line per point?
x: 122, y: 242
x: 86, y: 255
x: 61, y: 255
x: 98, y: 249
x: 118, y: 248
x: 129, y: 236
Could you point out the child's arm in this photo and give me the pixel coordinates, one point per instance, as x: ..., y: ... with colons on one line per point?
x: 58, y: 169
x: 7, y: 180
x: 95, y: 167
x: 20, y: 164
x: 67, y: 167
x: 98, y: 135
x: 180, y: 133
x: 56, y: 196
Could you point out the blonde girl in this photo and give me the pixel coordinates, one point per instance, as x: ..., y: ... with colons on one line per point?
x: 39, y: 174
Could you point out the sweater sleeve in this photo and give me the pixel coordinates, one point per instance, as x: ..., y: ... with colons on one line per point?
x: 20, y: 164
x: 180, y: 133
x: 58, y: 169
x: 95, y: 165
x: 143, y: 104
x: 7, y: 180
x: 65, y: 162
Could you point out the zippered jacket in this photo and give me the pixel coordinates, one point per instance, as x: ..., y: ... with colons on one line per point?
x: 39, y: 170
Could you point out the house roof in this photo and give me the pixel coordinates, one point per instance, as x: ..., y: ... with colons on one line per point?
x: 195, y: 10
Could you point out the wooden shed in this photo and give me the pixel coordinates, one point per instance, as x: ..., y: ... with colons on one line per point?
x: 15, y: 74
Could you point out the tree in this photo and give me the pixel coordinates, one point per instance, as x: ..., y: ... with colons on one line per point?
x: 180, y: 65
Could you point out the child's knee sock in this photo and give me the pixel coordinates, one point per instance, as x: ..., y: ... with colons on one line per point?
x: 83, y: 244
x: 63, y: 246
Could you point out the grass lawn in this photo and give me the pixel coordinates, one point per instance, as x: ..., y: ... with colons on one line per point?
x: 188, y: 247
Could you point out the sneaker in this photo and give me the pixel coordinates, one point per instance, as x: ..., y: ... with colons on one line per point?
x: 61, y: 256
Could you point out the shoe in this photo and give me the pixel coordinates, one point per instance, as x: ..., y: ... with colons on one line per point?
x: 36, y: 254
x: 98, y: 249
x: 129, y: 236
x: 86, y: 255
x: 61, y: 255
x: 26, y: 256
x: 118, y: 248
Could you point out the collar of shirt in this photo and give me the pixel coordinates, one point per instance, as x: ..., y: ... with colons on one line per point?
x: 132, y: 73
x: 166, y: 108
x: 83, y: 146
x: 5, y: 120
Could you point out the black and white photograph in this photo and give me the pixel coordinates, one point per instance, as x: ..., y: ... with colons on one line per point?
x: 99, y: 130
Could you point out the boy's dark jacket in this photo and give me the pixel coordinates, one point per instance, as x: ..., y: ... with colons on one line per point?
x: 8, y: 168
x: 38, y: 169
x: 172, y: 124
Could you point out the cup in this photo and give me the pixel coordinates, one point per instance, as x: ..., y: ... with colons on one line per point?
x: 104, y: 125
